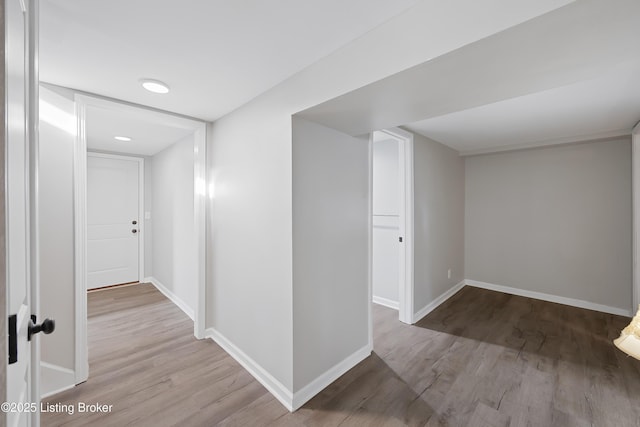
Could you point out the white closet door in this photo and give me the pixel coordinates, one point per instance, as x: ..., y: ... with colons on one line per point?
x: 386, y: 222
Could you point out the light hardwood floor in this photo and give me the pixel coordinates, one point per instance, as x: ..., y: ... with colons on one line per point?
x: 481, y: 359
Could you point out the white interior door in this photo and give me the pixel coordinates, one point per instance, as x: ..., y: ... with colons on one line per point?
x: 113, y: 225
x: 19, y: 303
x: 386, y: 222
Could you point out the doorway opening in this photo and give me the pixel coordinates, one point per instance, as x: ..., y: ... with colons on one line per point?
x: 392, y: 221
x: 136, y: 211
x: 182, y: 139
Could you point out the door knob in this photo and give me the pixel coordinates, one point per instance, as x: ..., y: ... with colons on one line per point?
x: 134, y: 231
x: 46, y: 327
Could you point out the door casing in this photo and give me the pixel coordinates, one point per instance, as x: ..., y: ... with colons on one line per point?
x: 406, y: 274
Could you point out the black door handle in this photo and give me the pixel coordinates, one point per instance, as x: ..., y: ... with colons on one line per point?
x: 13, y: 339
x: 46, y: 327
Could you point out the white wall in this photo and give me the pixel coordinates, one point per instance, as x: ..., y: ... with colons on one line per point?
x: 386, y: 221
x: 635, y: 206
x: 148, y: 205
x: 249, y: 246
x: 553, y: 220
x: 55, y: 190
x: 439, y: 183
x: 330, y: 249
x: 249, y: 236
x: 172, y: 221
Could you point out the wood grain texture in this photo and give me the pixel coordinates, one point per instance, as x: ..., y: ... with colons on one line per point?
x: 481, y: 359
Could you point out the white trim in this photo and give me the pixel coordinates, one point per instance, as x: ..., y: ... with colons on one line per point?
x: 172, y: 296
x: 550, y: 298
x: 406, y: 273
x: 551, y: 142
x: 200, y: 194
x: 82, y: 102
x: 65, y: 380
x: 80, y: 243
x: 436, y: 302
x: 288, y: 399
x: 370, y: 244
x: 141, y: 198
x: 33, y: 229
x: 57, y: 368
x: 407, y: 215
x: 275, y: 387
x: 307, y: 392
x: 635, y: 188
x: 386, y: 302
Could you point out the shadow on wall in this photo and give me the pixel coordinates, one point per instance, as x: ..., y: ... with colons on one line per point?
x: 529, y: 326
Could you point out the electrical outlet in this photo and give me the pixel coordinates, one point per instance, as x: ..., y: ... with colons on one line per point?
x: 449, y: 274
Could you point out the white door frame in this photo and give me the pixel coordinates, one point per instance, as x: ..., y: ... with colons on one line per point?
x: 406, y: 272
x: 635, y: 173
x: 141, y: 223
x: 34, y: 237
x: 83, y: 102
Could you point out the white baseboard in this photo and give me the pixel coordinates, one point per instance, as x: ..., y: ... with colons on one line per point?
x: 55, y: 379
x: 436, y: 302
x: 275, y: 387
x: 386, y: 302
x: 548, y: 297
x: 173, y: 297
x: 316, y: 386
x: 288, y: 399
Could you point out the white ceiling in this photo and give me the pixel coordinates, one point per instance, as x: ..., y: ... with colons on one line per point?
x: 215, y: 55
x: 568, y: 75
x: 604, y: 107
x: 148, y: 132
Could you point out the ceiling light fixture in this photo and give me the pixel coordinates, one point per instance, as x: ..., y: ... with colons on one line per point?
x: 122, y: 138
x: 155, y: 86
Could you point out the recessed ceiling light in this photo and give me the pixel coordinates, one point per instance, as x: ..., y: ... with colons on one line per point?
x: 122, y: 138
x: 155, y: 86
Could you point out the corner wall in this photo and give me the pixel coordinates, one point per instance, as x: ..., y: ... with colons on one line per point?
x: 553, y: 220
x: 439, y: 183
x: 249, y: 241
x: 330, y: 253
x: 249, y: 151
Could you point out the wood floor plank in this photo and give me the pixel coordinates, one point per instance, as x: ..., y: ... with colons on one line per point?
x: 482, y: 358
